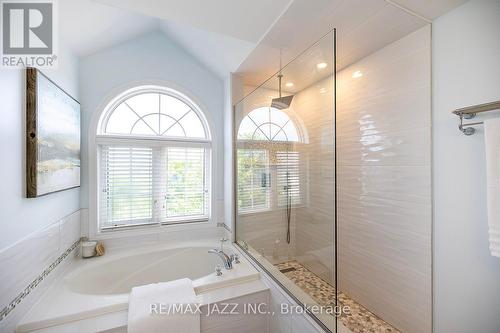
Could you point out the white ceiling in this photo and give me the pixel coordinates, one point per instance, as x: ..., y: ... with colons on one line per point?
x: 86, y: 26
x: 430, y: 9
x: 245, y: 36
x: 220, y: 53
x: 219, y: 33
x: 247, y: 20
x: 363, y: 26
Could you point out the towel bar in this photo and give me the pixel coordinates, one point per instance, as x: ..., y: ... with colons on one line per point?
x: 470, y: 112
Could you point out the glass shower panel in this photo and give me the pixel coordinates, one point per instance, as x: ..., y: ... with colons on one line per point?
x: 285, y: 177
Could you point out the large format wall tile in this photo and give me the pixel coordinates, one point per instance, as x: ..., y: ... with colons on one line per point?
x: 402, y: 183
x: 70, y: 229
x: 397, y: 108
x: 398, y: 148
x: 24, y: 261
x: 384, y: 183
x: 393, y: 214
x: 315, y: 222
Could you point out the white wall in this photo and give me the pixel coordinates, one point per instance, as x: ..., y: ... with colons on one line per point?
x: 20, y: 216
x: 150, y: 57
x: 384, y: 183
x: 466, y: 71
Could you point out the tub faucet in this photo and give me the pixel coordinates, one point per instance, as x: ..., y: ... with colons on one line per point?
x: 226, y: 260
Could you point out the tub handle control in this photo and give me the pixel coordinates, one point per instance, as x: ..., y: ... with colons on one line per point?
x: 218, y: 270
x: 235, y: 258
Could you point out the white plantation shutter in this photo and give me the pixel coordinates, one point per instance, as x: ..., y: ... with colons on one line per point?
x: 186, y: 183
x: 151, y: 185
x: 288, y: 174
x: 253, y: 180
x: 126, y: 185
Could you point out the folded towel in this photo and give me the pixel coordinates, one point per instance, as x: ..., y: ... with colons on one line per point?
x: 492, y: 145
x: 163, y: 307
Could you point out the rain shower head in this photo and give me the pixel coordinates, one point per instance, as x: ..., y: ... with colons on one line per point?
x: 281, y: 103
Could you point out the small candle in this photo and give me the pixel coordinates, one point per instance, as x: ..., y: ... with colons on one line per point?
x: 88, y: 249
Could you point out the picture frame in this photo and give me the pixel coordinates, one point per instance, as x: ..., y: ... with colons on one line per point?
x: 52, y: 136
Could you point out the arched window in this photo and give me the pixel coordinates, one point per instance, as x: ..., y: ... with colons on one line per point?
x: 156, y: 114
x: 268, y: 124
x: 154, y: 149
x: 268, y: 161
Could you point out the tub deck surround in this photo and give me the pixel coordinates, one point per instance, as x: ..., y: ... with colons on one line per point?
x: 252, y: 292
x: 158, y: 235
x: 96, y: 286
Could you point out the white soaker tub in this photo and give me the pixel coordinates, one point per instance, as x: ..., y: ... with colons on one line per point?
x: 95, y: 286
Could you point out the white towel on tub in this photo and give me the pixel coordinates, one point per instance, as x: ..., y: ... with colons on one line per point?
x: 492, y: 147
x: 163, y: 307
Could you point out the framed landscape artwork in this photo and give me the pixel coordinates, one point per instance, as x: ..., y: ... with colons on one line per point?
x: 52, y: 137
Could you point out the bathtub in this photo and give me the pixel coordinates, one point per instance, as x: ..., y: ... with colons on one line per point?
x: 96, y: 286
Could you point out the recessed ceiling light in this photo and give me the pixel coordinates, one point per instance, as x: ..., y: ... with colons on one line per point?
x: 322, y: 90
x: 322, y: 65
x: 357, y: 74
x: 289, y: 84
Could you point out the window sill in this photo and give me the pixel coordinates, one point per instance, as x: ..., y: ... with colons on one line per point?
x: 153, y: 229
x: 135, y: 226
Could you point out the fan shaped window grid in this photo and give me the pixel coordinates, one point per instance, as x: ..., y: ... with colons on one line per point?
x: 268, y: 124
x: 155, y: 113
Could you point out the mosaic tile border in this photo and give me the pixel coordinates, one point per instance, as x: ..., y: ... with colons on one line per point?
x: 23, y: 294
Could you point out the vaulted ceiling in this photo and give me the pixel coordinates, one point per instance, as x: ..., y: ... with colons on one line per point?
x: 246, y: 36
x: 246, y: 20
x: 86, y: 26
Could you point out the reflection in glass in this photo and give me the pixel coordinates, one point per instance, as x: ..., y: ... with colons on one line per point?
x: 267, y: 123
x: 285, y: 177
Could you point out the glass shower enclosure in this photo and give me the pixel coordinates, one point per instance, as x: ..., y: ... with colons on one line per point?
x: 284, y: 148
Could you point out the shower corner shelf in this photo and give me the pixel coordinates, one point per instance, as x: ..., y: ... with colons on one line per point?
x: 470, y: 112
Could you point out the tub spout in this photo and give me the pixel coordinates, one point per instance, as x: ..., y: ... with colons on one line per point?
x: 226, y: 260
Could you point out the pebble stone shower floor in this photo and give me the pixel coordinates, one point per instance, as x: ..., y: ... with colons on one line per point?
x: 359, y: 320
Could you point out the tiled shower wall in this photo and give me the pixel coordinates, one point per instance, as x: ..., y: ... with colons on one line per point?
x: 312, y: 221
x: 314, y: 224
x: 384, y: 182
